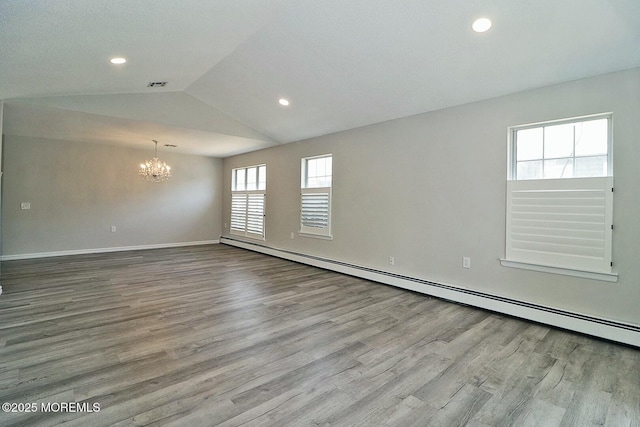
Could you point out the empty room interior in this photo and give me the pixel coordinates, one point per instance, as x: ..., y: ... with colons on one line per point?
x: 335, y: 213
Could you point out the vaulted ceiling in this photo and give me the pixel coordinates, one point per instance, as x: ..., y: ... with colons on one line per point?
x: 341, y: 64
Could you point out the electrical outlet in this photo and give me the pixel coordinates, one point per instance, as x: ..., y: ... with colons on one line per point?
x: 466, y: 262
x: 113, y: 228
x: 293, y: 236
x: 392, y: 261
x: 25, y: 205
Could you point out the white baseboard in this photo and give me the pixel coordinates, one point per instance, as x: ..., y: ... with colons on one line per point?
x: 104, y: 250
x: 602, y: 328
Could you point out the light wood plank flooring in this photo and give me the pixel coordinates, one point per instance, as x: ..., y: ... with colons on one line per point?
x: 216, y: 335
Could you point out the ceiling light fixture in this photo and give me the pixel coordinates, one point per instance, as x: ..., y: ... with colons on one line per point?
x: 283, y: 102
x: 118, y: 61
x: 155, y: 170
x: 481, y: 25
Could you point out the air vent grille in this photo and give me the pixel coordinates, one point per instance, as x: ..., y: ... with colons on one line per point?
x: 156, y: 84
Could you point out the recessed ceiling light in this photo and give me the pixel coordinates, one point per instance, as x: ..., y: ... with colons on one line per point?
x: 118, y: 60
x: 481, y: 25
x: 283, y: 101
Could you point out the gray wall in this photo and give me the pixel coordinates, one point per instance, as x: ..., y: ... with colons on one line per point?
x: 430, y: 189
x: 1, y: 168
x: 78, y: 190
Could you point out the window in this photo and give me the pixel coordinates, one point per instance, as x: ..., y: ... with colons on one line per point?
x: 248, y: 194
x: 560, y: 197
x: 566, y: 149
x: 315, y: 199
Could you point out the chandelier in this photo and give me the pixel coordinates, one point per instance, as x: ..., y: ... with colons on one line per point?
x: 155, y: 170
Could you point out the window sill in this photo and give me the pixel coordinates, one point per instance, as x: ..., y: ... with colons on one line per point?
x: 315, y: 236
x: 605, y: 277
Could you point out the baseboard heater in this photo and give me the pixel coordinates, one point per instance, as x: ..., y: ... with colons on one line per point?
x: 602, y: 328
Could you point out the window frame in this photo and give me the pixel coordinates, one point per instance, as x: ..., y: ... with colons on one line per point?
x: 565, y: 262
x: 251, y: 197
x: 315, y: 191
x: 512, y: 163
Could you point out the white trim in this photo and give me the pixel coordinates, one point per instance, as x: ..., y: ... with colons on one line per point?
x: 606, y: 277
x: 105, y: 250
x: 612, y: 330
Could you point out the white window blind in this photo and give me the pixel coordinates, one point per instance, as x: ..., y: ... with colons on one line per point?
x: 563, y: 223
x: 255, y: 214
x: 315, y: 209
x: 238, y: 212
x: 247, y: 214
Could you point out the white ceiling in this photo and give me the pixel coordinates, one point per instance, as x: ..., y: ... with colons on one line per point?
x: 342, y: 64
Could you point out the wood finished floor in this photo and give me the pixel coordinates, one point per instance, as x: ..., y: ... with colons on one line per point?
x: 216, y: 335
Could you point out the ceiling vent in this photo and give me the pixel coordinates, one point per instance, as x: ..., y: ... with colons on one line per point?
x: 156, y: 84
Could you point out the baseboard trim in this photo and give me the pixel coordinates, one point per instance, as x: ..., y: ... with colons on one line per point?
x: 603, y: 328
x: 104, y: 250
